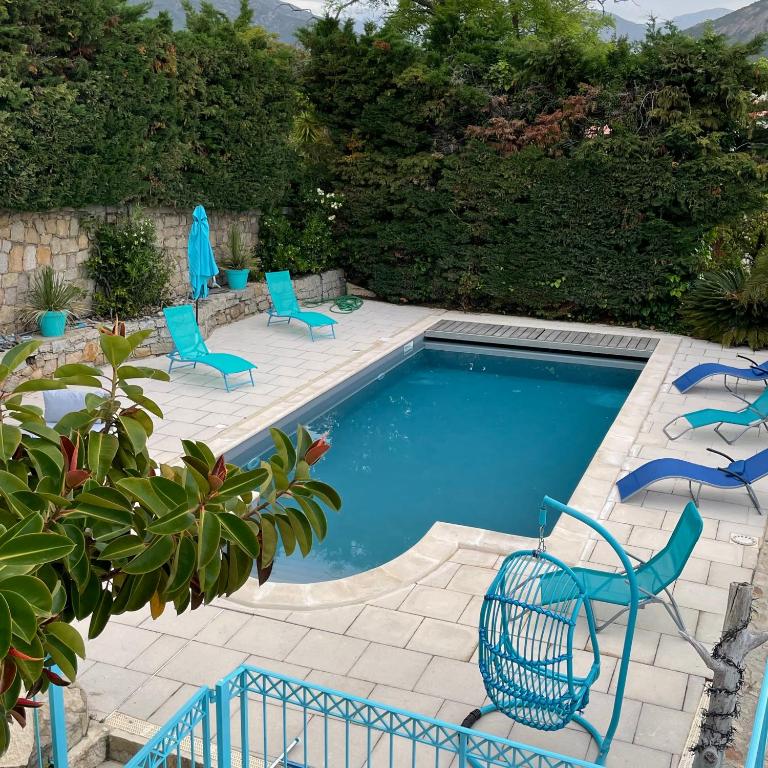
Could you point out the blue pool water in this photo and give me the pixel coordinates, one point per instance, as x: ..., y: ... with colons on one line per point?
x: 462, y: 437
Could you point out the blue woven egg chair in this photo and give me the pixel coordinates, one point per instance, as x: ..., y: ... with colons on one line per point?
x: 527, y: 651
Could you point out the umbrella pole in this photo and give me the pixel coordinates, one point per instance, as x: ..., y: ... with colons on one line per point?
x: 197, y: 311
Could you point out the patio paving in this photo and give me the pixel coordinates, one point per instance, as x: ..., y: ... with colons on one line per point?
x: 416, y: 646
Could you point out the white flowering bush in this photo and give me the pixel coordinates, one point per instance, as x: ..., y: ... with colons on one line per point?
x: 131, y: 274
x: 304, y: 240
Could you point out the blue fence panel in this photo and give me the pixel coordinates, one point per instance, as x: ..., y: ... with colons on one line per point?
x: 266, y: 720
x: 51, y: 740
x: 756, y: 755
x: 185, y: 739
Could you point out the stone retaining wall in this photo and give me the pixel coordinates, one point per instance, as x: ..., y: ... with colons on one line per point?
x: 60, y: 239
x: 82, y: 344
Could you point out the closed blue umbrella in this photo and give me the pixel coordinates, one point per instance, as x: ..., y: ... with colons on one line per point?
x: 202, y: 264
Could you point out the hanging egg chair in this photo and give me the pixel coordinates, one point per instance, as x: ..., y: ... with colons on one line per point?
x: 532, y: 670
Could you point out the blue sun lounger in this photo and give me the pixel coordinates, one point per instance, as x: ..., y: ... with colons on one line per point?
x: 285, y: 306
x: 754, y: 416
x: 738, y: 474
x: 697, y: 374
x: 654, y: 576
x: 191, y: 349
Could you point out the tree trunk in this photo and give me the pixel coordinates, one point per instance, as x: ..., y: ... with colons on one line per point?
x: 727, y: 664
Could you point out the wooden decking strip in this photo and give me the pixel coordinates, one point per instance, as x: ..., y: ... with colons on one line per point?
x: 544, y: 338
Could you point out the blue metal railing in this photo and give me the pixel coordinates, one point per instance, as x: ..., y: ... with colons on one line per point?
x: 266, y: 720
x: 56, y: 742
x: 756, y: 755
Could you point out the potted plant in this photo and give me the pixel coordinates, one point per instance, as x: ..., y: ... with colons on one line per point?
x: 51, y: 299
x: 239, y: 262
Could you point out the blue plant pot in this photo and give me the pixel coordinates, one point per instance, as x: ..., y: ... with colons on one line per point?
x: 237, y: 278
x: 53, y: 323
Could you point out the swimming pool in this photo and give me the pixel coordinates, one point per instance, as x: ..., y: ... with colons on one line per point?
x: 457, y: 435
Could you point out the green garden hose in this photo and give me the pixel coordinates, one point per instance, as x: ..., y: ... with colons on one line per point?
x: 341, y: 304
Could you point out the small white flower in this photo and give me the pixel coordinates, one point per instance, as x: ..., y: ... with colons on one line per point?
x: 331, y: 218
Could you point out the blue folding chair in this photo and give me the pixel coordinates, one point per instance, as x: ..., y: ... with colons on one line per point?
x: 738, y: 474
x: 756, y: 372
x: 754, y: 416
x: 191, y: 349
x: 653, y: 576
x: 285, y: 306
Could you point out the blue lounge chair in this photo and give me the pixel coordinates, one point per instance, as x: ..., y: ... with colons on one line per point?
x: 755, y: 372
x: 191, y: 349
x: 285, y: 306
x: 754, y: 416
x: 653, y: 576
x: 738, y: 474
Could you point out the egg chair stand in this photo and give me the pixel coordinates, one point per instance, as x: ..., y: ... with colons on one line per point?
x: 526, y: 645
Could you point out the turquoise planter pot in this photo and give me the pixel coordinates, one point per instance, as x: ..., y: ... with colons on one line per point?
x: 53, y: 323
x: 237, y: 278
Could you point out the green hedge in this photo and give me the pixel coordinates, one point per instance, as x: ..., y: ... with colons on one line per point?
x: 604, y: 235
x: 514, y: 187
x: 101, y: 106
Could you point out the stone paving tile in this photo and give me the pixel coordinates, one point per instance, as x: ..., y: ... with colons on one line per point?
x: 330, y: 619
x: 344, y: 683
x: 676, y: 653
x: 495, y: 723
x: 396, y: 667
x: 267, y: 637
x: 326, y: 651
x: 221, y: 628
x: 435, y: 603
x: 279, y: 667
x: 644, y: 643
x: 143, y: 703
x: 565, y: 742
x: 157, y: 654
x: 201, y: 664
x: 623, y: 755
x: 386, y: 626
x: 666, y: 729
x: 471, y: 614
x: 700, y: 596
x: 654, y: 685
x: 721, y: 575
x: 444, y: 638
x: 165, y: 708
x: 599, y: 712
x: 119, y: 645
x: 187, y: 625
x: 471, y: 579
x: 407, y: 699
x: 109, y: 686
x: 452, y: 679
x: 442, y: 575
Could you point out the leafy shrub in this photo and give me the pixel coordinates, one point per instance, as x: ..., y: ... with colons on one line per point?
x: 730, y: 306
x: 518, y: 172
x: 93, y: 526
x: 101, y: 106
x: 50, y: 292
x: 302, y: 241
x: 130, y: 272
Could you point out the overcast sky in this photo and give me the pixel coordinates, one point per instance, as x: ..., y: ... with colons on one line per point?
x: 638, y: 10
x: 634, y: 10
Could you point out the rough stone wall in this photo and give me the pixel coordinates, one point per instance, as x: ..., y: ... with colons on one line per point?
x: 82, y: 344
x: 60, y: 239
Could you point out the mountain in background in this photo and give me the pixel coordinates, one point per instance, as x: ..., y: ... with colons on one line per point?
x: 687, y: 20
x: 275, y: 16
x: 635, y: 31
x: 739, y: 26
